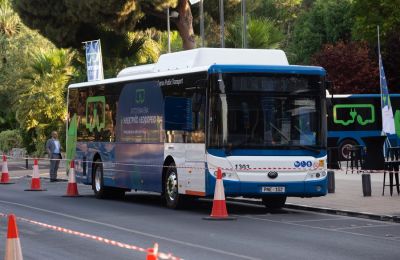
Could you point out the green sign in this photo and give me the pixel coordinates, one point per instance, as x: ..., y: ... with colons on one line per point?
x: 92, y: 116
x: 354, y: 110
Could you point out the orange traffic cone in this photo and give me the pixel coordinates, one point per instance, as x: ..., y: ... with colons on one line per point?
x: 152, y: 253
x: 72, y: 188
x: 219, y: 211
x: 13, y: 245
x: 35, y: 183
x: 5, y: 178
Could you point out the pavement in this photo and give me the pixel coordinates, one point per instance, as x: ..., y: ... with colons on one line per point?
x: 347, y: 199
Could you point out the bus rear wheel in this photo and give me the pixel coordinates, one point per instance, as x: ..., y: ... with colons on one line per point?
x: 100, y: 191
x: 98, y: 187
x: 171, y: 194
x: 274, y: 203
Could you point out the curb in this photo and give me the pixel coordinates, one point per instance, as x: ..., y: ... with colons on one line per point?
x: 331, y: 211
x: 364, y: 215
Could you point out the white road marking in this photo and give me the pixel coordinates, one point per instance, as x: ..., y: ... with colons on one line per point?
x: 215, y: 250
x: 321, y: 228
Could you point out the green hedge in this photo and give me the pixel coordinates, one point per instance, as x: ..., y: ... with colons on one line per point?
x: 10, y: 139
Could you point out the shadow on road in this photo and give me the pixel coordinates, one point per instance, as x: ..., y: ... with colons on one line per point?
x: 199, y: 206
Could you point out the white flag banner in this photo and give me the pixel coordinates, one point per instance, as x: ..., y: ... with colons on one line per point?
x: 94, y: 61
x: 387, y: 111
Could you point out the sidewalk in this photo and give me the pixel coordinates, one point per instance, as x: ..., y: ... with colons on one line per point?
x: 348, y: 198
x: 17, y: 169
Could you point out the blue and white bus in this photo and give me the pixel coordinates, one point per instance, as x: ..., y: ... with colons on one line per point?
x: 167, y: 127
x: 352, y: 117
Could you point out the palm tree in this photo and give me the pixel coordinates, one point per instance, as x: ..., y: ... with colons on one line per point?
x: 143, y: 47
x: 41, y: 105
x: 262, y: 34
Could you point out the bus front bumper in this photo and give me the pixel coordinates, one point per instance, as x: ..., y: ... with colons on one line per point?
x: 309, y: 188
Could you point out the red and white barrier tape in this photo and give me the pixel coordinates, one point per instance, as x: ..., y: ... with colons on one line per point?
x: 211, y: 169
x: 97, y: 238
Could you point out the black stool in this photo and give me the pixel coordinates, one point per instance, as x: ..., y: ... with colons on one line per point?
x: 354, y: 156
x: 392, y: 164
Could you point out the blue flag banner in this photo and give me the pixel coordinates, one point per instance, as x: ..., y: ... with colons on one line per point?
x: 387, y: 112
x: 94, y: 61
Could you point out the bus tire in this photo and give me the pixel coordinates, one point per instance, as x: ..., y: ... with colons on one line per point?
x: 171, y: 195
x: 101, y: 191
x: 97, y: 180
x: 274, y: 203
x: 344, y: 148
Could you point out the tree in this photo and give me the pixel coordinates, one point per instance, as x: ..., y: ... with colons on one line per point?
x: 67, y: 23
x: 16, y: 44
x: 328, y: 21
x: 262, y: 34
x: 350, y: 67
x: 391, y: 59
x: 41, y: 105
x: 370, y: 14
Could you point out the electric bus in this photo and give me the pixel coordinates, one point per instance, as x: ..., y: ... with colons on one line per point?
x: 167, y: 127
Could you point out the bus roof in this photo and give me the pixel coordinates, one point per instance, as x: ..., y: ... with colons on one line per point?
x: 359, y: 95
x: 288, y: 69
x: 203, y: 59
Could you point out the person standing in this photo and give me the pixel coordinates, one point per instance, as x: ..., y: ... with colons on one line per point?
x: 53, y: 148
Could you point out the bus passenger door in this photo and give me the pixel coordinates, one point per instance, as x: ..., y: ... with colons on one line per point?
x: 195, y: 169
x: 195, y: 147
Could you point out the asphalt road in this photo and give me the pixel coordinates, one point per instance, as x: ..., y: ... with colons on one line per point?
x: 139, y: 220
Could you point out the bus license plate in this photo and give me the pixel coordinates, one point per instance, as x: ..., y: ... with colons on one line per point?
x: 273, y: 189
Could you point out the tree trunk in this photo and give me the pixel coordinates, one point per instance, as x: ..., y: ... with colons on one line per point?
x: 185, y: 25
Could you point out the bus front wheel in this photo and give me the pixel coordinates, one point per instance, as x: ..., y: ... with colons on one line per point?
x: 171, y: 194
x: 274, y: 203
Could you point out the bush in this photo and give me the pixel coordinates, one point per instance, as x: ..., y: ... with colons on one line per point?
x: 10, y: 139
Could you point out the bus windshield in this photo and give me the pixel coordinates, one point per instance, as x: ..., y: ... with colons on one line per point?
x: 273, y: 112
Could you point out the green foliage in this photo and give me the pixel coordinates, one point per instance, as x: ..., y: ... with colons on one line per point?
x: 369, y: 14
x: 41, y: 104
x: 391, y: 59
x: 262, y: 34
x: 9, y: 21
x: 328, y: 21
x: 15, y: 50
x: 68, y: 23
x: 176, y: 41
x: 42, y: 101
x: 10, y: 139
